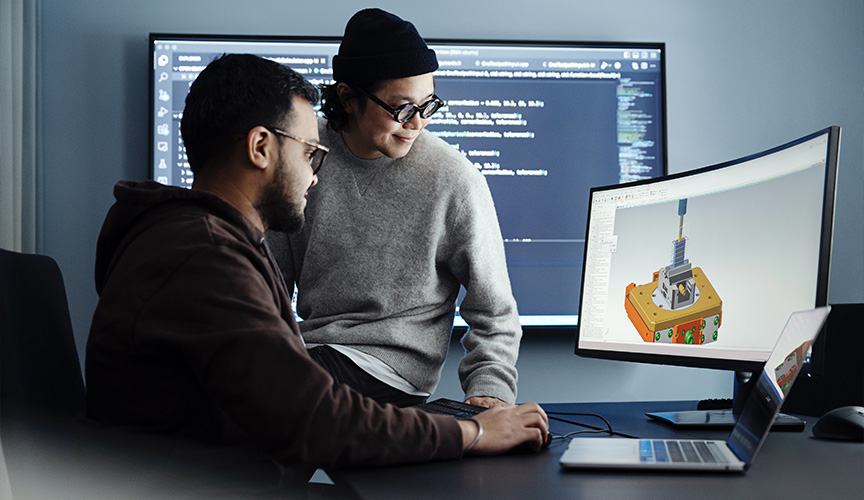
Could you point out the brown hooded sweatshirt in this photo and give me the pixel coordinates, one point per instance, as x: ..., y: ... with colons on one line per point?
x: 194, y: 338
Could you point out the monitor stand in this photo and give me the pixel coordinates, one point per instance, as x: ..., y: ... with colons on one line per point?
x: 725, y: 418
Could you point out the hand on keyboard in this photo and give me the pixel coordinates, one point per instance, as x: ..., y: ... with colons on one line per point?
x: 486, y: 401
x: 506, y: 427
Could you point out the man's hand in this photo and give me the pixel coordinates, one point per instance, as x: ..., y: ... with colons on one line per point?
x: 505, y: 427
x: 486, y: 401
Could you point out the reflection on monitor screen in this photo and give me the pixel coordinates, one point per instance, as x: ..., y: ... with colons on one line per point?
x: 543, y: 121
x: 704, y: 268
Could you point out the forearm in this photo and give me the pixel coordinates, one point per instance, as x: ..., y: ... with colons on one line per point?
x: 489, y: 308
x: 489, y: 365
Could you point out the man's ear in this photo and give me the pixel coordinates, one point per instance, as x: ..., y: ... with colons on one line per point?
x: 261, y: 147
x: 347, y: 97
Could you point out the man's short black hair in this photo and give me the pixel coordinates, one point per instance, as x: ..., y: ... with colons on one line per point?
x: 232, y: 95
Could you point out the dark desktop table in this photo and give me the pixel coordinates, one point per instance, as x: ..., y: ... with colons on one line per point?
x: 790, y: 465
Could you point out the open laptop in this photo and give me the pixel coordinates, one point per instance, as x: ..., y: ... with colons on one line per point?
x: 739, y: 450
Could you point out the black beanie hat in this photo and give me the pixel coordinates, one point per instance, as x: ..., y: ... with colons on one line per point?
x: 380, y: 46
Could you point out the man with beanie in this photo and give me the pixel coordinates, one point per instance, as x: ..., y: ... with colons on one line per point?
x: 401, y: 220
x: 194, y: 340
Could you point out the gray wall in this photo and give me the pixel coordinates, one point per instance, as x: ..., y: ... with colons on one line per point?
x: 742, y: 76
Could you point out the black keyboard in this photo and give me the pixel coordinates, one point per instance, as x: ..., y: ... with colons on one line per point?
x: 455, y: 409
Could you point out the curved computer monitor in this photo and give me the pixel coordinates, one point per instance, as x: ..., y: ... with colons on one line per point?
x: 703, y: 268
x: 543, y: 121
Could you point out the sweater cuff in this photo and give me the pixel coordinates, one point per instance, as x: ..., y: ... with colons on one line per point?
x: 491, y: 387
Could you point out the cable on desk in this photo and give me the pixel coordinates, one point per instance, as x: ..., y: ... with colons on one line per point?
x: 571, y: 414
x: 591, y: 429
x: 583, y: 431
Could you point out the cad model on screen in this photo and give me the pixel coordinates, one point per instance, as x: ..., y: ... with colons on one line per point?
x: 679, y: 305
x: 785, y: 372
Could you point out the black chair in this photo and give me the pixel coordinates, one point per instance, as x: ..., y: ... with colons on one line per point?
x: 41, y: 386
x: 40, y: 374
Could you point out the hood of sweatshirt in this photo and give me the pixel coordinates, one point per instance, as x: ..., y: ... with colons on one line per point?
x: 138, y: 207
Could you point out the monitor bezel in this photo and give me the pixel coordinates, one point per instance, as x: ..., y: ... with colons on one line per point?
x: 823, y: 266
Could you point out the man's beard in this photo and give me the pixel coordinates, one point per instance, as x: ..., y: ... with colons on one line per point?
x: 277, y: 212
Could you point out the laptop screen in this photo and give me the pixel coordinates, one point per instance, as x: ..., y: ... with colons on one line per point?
x: 774, y: 382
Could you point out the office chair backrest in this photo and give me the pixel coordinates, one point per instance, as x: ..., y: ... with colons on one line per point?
x: 40, y: 374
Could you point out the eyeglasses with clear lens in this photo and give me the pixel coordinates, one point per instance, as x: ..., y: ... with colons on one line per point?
x: 407, y: 111
x: 318, y: 155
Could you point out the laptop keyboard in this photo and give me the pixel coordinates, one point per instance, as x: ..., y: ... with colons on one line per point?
x: 679, y: 451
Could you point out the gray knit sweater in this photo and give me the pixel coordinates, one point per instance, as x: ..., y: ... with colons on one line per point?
x: 378, y: 265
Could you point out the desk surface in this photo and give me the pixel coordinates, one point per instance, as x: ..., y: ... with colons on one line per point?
x: 790, y: 465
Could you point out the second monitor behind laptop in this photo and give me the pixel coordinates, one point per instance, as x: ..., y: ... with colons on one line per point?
x: 704, y: 267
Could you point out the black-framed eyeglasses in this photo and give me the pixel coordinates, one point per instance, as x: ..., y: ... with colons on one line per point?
x: 407, y: 111
x: 318, y: 155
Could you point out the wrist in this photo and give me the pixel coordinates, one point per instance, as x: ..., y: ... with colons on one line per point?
x: 487, y: 401
x: 469, y: 438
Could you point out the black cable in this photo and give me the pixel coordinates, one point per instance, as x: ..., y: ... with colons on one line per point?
x: 592, y: 429
x: 573, y: 433
x: 571, y: 414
